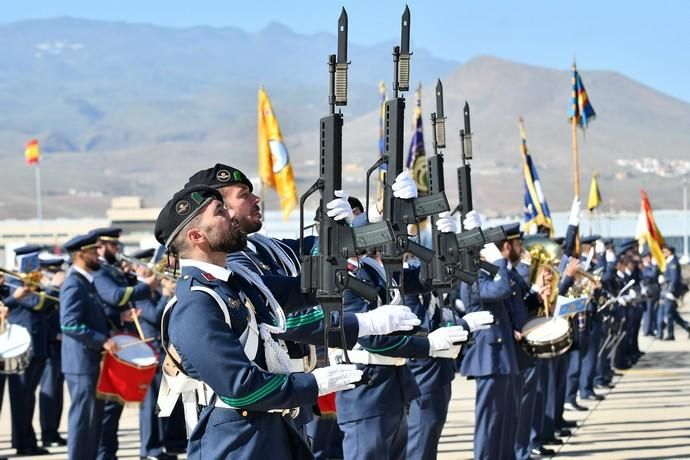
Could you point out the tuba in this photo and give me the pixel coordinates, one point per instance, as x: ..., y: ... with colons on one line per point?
x: 544, y: 256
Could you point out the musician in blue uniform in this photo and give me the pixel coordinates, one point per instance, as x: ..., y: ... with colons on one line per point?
x: 31, y: 313
x: 50, y: 397
x: 152, y: 429
x: 650, y: 280
x: 224, y: 341
x: 85, y: 335
x: 117, y: 295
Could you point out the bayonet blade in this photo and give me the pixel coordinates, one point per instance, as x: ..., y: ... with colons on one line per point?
x: 405, y: 32
x: 342, y: 38
x: 466, y: 113
x: 439, y: 99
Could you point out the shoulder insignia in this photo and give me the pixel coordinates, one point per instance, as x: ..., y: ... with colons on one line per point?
x: 208, y: 276
x: 233, y: 303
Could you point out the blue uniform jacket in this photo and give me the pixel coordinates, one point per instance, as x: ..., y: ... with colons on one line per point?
x: 116, y: 293
x: 672, y: 277
x: 31, y: 312
x: 83, y: 324
x: 493, y: 352
x: 390, y: 388
x: 522, y: 301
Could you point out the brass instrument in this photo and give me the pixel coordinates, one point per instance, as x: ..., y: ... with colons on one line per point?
x: 584, y: 285
x: 160, y: 268
x: 31, y: 281
x: 544, y: 257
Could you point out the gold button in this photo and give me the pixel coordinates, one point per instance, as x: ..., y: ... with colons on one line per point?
x: 244, y: 413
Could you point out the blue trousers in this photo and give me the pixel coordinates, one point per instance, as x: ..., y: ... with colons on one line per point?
x: 51, y: 397
x: 84, y: 417
x: 151, y: 427
x: 555, y: 396
x: 589, y: 360
x: 539, y: 417
x: 494, y: 404
x: 528, y: 400
x: 23, y: 402
x: 326, y: 437
x: 604, y: 373
x: 376, y: 438
x: 425, y: 423
x: 574, y: 359
x: 107, y: 450
x: 664, y: 319
x: 649, y: 320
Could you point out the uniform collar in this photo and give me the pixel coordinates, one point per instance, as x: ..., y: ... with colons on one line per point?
x: 670, y: 258
x: 216, y: 271
x: 84, y: 273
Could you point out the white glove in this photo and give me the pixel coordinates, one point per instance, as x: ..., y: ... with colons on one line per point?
x: 574, y: 218
x: 404, y: 186
x: 339, y: 208
x: 670, y: 296
x: 610, y: 256
x: 373, y: 214
x: 644, y: 291
x: 632, y: 295
x: 491, y: 253
x: 599, y: 247
x: 386, y: 319
x: 478, y: 320
x: 446, y: 223
x: 460, y: 305
x: 336, y: 378
x: 471, y: 220
x: 661, y: 279
x: 442, y: 342
x: 622, y: 301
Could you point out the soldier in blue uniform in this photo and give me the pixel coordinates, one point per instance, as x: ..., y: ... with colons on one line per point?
x: 117, y: 295
x: 222, y: 340
x: 85, y: 334
x: 50, y: 398
x: 671, y: 289
x: 31, y: 313
x: 650, y: 280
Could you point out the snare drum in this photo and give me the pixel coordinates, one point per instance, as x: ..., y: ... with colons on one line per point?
x: 547, y: 337
x: 126, y: 375
x: 15, y: 349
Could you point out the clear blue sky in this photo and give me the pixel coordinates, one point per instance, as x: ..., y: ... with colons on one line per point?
x: 647, y: 40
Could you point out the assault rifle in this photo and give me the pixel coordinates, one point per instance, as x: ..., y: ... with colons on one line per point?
x: 401, y: 212
x: 325, y: 275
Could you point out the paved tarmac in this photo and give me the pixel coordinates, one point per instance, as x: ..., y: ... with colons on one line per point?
x: 647, y: 414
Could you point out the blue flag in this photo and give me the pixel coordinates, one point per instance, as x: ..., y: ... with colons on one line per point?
x: 580, y: 107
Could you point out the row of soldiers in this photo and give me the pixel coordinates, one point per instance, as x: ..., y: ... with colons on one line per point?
x: 234, y: 339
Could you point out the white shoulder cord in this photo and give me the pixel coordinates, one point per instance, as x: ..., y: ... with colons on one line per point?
x: 279, y: 252
x: 277, y: 359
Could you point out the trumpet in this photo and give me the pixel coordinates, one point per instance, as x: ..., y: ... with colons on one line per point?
x: 160, y: 268
x: 31, y: 281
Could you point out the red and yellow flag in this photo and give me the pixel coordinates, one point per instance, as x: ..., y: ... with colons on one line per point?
x: 275, y: 169
x: 31, y: 152
x: 648, y: 232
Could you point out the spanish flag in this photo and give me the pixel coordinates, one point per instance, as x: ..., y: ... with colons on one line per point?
x: 275, y: 169
x: 594, y: 194
x: 648, y: 232
x: 31, y: 152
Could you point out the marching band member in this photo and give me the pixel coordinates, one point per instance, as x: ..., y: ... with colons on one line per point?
x: 85, y: 334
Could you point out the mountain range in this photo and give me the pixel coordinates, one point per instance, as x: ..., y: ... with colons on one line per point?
x: 134, y: 109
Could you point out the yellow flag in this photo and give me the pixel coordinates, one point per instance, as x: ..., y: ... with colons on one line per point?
x: 275, y: 169
x: 594, y: 194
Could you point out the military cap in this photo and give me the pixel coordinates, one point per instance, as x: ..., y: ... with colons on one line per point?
x: 108, y: 233
x: 559, y: 240
x: 53, y: 262
x: 591, y: 239
x: 219, y: 176
x: 512, y: 231
x: 355, y: 203
x: 624, y: 245
x: 181, y: 209
x: 81, y: 242
x: 28, y: 249
x: 670, y: 248
x: 143, y: 253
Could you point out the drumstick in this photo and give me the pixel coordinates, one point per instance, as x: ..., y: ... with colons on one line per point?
x: 135, y: 318
x: 131, y: 344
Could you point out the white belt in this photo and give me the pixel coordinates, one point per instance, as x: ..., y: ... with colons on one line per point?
x: 360, y: 356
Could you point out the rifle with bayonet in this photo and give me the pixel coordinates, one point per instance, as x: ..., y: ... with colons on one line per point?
x: 325, y: 275
x: 445, y: 269
x: 401, y: 212
x: 470, y: 243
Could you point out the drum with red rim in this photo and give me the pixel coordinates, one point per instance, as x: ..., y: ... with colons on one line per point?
x: 127, y: 374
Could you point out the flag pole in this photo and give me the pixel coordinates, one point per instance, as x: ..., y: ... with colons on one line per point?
x: 39, y: 207
x: 576, y: 158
